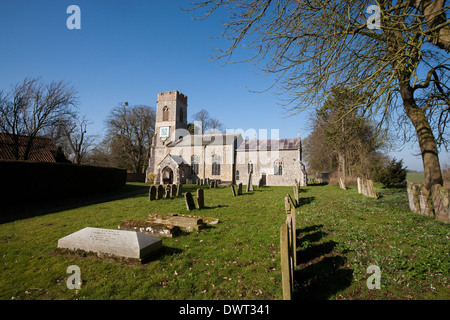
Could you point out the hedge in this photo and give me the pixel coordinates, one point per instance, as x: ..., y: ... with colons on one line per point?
x: 46, y: 180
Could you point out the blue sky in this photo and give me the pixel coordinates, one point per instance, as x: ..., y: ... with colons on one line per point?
x: 130, y: 51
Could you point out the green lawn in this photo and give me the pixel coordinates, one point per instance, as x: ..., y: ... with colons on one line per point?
x: 340, y: 234
x: 415, y: 176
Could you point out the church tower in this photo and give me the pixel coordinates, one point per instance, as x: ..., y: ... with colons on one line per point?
x: 170, y: 125
x: 171, y: 115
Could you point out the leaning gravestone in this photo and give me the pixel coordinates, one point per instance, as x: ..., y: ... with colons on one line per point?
x: 296, y: 196
x: 370, y: 189
x: 160, y: 192
x: 364, y: 187
x: 425, y: 201
x: 239, y: 189
x: 358, y: 181
x: 441, y: 201
x: 152, y: 192
x: 233, y: 190
x: 179, y: 189
x: 190, y: 205
x: 121, y: 243
x: 200, y: 198
x: 342, y: 184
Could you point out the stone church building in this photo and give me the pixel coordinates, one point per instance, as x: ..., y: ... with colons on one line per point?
x: 180, y: 157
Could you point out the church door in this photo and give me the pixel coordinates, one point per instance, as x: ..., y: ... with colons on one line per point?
x: 167, y: 175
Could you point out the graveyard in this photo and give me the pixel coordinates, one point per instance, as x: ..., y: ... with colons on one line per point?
x: 230, y: 247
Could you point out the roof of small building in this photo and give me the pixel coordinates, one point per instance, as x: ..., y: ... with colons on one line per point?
x: 268, y: 144
x: 205, y: 139
x: 41, y: 151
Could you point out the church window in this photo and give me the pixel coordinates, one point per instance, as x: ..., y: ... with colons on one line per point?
x: 194, y: 165
x: 165, y: 113
x: 216, y: 165
x: 237, y: 174
x: 278, y: 168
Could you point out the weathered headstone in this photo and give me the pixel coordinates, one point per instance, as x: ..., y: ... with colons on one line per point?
x: 370, y: 190
x: 233, y: 190
x: 250, y: 183
x: 160, y: 192
x: 200, y: 198
x: 239, y: 189
x: 358, y: 181
x: 179, y: 189
x: 152, y: 192
x: 190, y: 204
x: 363, y: 187
x: 342, y: 184
x: 425, y: 201
x: 185, y: 222
x: 173, y: 190
x: 296, y: 196
x: 167, y: 192
x: 441, y: 201
x: 260, y: 183
x: 413, y: 197
x: 150, y: 228
x: 121, y: 243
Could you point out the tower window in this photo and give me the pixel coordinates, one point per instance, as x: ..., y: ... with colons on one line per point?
x: 165, y: 113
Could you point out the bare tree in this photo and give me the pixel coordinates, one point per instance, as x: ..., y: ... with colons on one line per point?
x: 129, y: 136
x: 209, y: 125
x: 32, y: 107
x: 401, y: 69
x: 77, y: 140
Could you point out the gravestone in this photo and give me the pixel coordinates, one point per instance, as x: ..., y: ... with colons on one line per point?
x: 239, y: 189
x: 342, y: 184
x: 190, y: 205
x: 250, y: 183
x: 185, y: 222
x: 121, y: 243
x: 151, y: 228
x: 370, y: 190
x: 201, y: 182
x: 160, y: 192
x: 173, y: 190
x: 152, y: 192
x: 413, y: 197
x: 296, y: 197
x: 200, y: 198
x: 211, y: 185
x: 260, y: 183
x: 441, y: 201
x: 179, y: 189
x: 233, y: 190
x: 167, y: 192
x: 363, y: 187
x: 425, y: 201
x: 358, y: 182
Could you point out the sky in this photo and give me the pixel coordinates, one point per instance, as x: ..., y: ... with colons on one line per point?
x: 130, y: 50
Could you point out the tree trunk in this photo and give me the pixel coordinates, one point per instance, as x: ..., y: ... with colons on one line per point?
x: 427, y: 142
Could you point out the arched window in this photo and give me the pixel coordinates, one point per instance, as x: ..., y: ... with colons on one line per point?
x: 181, y: 115
x: 237, y: 174
x: 278, y: 168
x: 216, y: 165
x: 194, y: 165
x: 165, y: 113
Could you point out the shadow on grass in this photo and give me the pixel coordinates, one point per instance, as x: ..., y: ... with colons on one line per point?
x: 307, y: 200
x: 319, y: 273
x: 21, y: 208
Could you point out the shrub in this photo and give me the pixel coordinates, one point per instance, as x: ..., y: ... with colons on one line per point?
x: 391, y: 174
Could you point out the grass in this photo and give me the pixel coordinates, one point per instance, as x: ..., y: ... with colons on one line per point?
x: 340, y: 233
x: 415, y: 176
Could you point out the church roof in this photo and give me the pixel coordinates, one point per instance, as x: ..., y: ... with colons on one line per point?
x: 177, y: 159
x: 268, y: 144
x: 206, y: 139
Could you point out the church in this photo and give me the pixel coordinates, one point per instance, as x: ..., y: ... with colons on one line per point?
x: 176, y: 156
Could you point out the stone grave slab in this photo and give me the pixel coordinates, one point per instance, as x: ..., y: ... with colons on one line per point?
x: 186, y: 223
x: 121, y: 243
x: 150, y: 228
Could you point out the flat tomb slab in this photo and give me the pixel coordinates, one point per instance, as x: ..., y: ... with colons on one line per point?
x: 185, y: 223
x: 150, y: 228
x: 128, y: 244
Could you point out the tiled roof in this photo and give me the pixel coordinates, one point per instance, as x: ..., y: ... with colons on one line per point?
x: 272, y: 144
x: 41, y: 151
